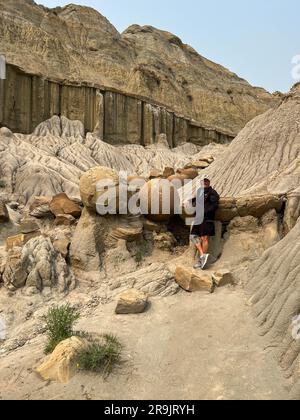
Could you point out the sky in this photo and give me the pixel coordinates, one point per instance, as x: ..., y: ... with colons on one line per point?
x: 257, y: 39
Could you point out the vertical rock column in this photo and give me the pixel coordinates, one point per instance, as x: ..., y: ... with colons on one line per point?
x: 148, y: 126
x: 45, y: 100
x: 27, y: 100
x: 167, y: 125
x: 123, y: 119
x: 180, y: 131
x: 16, y: 112
x: 78, y: 103
x: 99, y: 115
x: 203, y: 136
x: 156, y: 121
x: 197, y: 135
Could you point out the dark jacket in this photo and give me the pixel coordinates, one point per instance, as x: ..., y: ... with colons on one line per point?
x: 211, y: 203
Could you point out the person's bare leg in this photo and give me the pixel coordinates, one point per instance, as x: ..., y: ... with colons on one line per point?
x: 205, y: 244
x: 198, y: 246
x: 200, y: 249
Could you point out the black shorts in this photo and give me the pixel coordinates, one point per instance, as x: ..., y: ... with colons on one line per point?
x: 206, y: 229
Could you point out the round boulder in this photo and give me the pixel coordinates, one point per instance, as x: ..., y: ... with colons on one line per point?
x: 92, y: 185
x: 158, y: 200
x: 189, y: 173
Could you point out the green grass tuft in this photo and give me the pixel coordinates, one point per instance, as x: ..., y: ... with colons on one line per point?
x: 59, y: 325
x: 101, y: 357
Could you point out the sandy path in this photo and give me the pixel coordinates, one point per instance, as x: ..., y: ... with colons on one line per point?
x: 190, y: 346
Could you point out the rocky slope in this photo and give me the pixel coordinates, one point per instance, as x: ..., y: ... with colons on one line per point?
x: 274, y: 282
x: 265, y: 157
x: 103, y: 256
x: 57, y: 249
x: 78, y: 45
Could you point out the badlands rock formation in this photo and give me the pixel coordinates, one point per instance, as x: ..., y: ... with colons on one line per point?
x: 264, y: 157
x: 262, y: 162
x: 37, y: 266
x: 92, y: 103
x: 258, y: 170
x: 54, y: 158
x: 273, y: 285
x: 61, y: 55
x: 56, y: 155
x: 47, y: 176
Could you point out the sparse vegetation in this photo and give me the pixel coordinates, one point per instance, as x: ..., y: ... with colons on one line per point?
x: 60, y: 322
x: 142, y: 251
x: 101, y: 357
x: 2, y: 183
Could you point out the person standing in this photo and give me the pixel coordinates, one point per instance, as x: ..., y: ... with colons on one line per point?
x: 200, y: 233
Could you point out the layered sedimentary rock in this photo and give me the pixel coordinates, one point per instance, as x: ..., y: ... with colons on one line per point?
x: 72, y: 61
x: 154, y: 280
x: 251, y: 205
x: 26, y: 100
x: 265, y: 157
x: 61, y: 365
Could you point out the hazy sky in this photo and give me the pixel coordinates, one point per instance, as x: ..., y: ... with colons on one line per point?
x: 256, y: 39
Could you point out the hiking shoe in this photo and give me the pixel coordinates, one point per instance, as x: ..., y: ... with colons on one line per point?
x: 204, y: 260
x: 199, y: 264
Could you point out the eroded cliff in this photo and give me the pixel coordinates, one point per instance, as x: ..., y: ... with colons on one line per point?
x: 26, y: 100
x: 77, y: 45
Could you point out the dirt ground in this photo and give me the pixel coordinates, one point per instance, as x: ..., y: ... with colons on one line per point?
x: 189, y: 346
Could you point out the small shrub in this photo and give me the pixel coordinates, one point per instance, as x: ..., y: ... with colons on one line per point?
x: 101, y: 357
x: 97, y: 357
x: 139, y: 256
x: 2, y: 183
x: 142, y: 252
x: 60, y: 322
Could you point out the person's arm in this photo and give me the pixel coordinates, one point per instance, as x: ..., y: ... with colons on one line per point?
x: 213, y: 204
